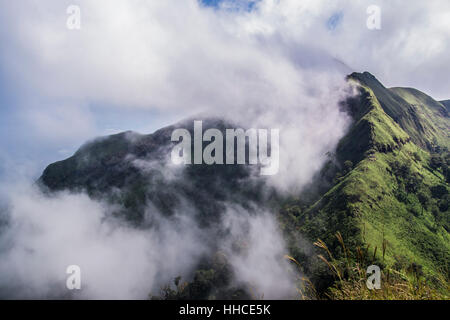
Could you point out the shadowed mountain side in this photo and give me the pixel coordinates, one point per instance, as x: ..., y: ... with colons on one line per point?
x: 382, y: 189
x: 136, y: 171
x: 446, y: 104
x: 420, y: 116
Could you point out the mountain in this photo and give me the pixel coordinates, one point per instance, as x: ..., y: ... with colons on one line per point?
x: 446, y: 104
x: 386, y: 186
x: 134, y: 170
x: 391, y: 181
x: 420, y: 116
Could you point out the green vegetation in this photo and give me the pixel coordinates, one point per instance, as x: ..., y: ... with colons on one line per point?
x: 420, y: 116
x: 212, y: 280
x: 396, y: 195
x: 386, y: 186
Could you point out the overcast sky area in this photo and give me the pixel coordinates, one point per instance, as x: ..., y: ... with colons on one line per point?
x: 140, y: 65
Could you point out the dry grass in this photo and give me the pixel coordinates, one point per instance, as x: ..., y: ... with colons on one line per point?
x: 350, y: 278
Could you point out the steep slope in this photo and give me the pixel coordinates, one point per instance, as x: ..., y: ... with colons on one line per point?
x: 383, y: 193
x: 446, y: 104
x: 420, y: 116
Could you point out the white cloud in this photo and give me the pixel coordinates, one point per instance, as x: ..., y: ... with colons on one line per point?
x: 157, y: 54
x: 62, y: 123
x: 47, y: 234
x: 260, y: 265
x: 178, y: 57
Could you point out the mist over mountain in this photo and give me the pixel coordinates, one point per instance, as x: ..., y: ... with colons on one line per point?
x: 120, y: 209
x: 136, y: 170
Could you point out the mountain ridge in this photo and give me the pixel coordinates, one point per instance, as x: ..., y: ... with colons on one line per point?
x: 386, y: 185
x: 378, y: 200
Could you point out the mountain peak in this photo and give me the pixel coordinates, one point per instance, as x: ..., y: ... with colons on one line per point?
x: 446, y: 104
x: 411, y: 109
x: 366, y: 78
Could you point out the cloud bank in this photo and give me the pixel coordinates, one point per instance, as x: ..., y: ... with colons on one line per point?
x: 44, y: 235
x: 185, y: 58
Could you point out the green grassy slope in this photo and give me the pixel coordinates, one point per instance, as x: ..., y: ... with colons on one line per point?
x: 421, y: 117
x: 388, y: 194
x: 432, y: 114
x: 388, y: 184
